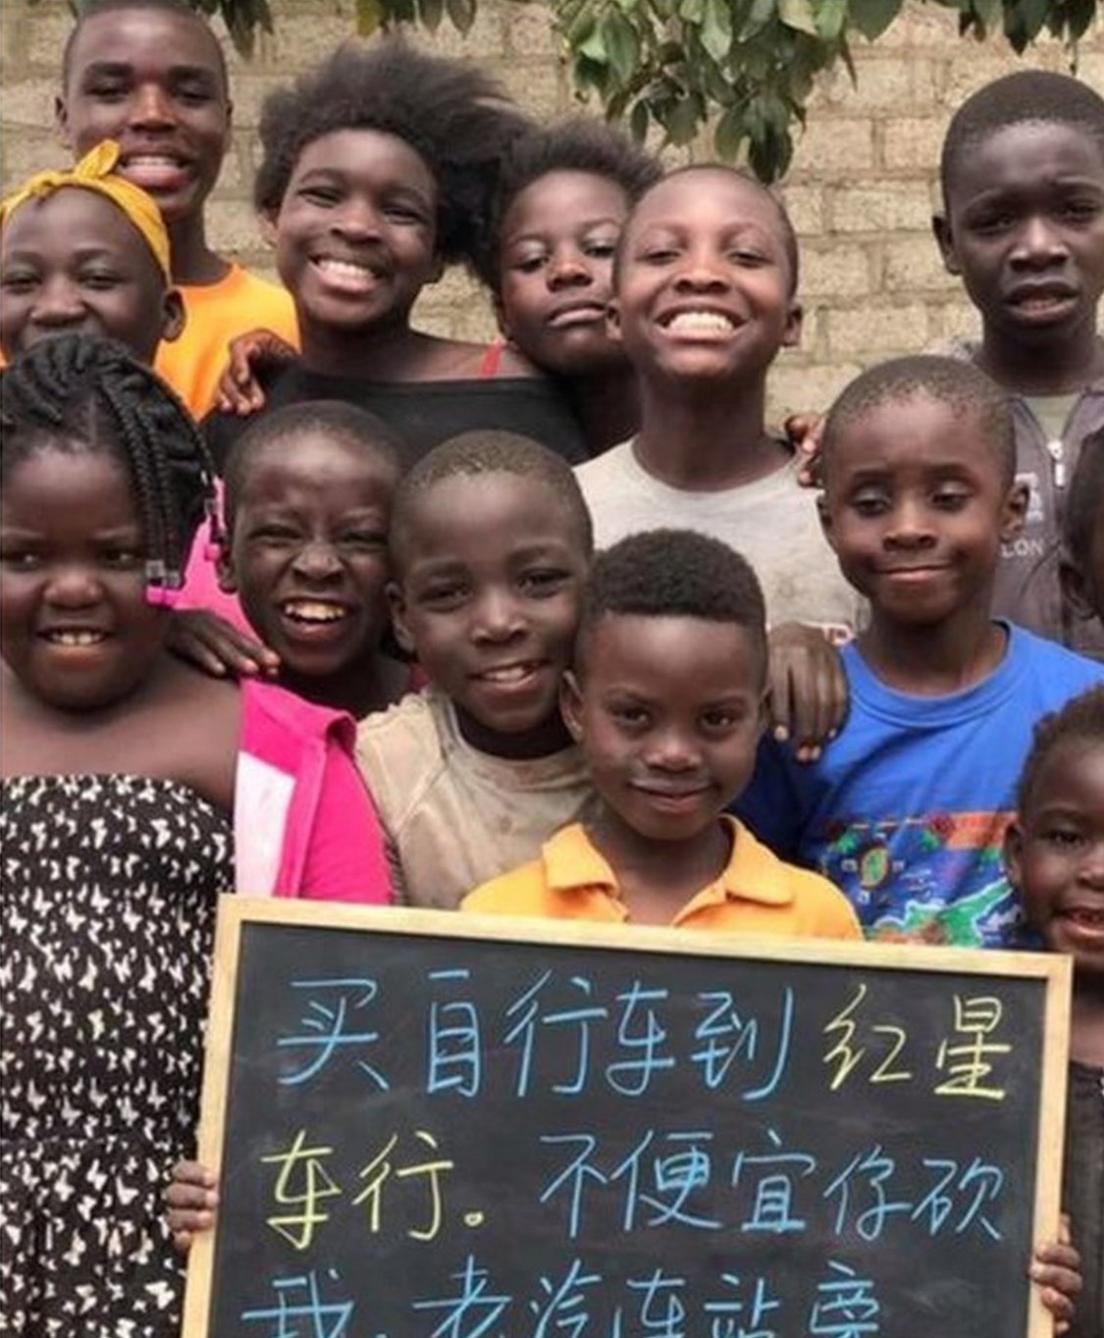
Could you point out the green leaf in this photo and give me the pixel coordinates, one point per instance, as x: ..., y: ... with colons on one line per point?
x: 716, y: 32
x: 462, y: 13
x: 798, y: 14
x: 369, y: 16
x: 830, y: 15
x: 638, y: 122
x: 621, y: 44
x: 761, y: 13
x: 730, y: 134
x: 594, y: 48
x: 873, y: 17
x: 682, y: 123
x: 430, y: 12
x: 691, y: 11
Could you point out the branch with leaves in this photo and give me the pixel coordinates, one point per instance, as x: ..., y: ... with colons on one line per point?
x: 747, y: 66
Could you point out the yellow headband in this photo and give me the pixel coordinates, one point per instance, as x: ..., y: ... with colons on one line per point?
x: 96, y: 172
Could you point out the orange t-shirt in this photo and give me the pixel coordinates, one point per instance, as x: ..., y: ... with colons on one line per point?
x: 756, y: 893
x: 215, y: 313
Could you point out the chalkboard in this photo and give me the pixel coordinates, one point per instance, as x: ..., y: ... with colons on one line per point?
x: 431, y: 1125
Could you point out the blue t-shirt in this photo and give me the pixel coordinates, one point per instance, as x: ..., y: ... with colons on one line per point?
x: 906, y: 811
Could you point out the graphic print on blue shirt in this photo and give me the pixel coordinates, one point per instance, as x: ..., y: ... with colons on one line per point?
x: 906, y: 811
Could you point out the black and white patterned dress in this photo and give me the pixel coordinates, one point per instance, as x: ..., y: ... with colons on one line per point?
x: 109, y: 892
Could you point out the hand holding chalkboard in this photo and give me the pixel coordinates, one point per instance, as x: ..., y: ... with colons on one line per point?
x: 432, y: 1126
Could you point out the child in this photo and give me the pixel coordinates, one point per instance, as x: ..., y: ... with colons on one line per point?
x: 1054, y: 851
x: 1081, y: 569
x: 666, y: 701
x: 86, y: 252
x: 1023, y: 224
x: 151, y: 75
x: 490, y: 541
x: 377, y: 173
x: 562, y: 201
x: 705, y: 297
x: 122, y: 822
x: 907, y: 809
x: 307, y: 505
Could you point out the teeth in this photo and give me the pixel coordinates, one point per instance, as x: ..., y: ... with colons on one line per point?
x: 151, y: 160
x: 313, y: 611
x: 76, y: 637
x: 693, y: 321
x: 511, y: 673
x: 1087, y: 917
x: 344, y: 269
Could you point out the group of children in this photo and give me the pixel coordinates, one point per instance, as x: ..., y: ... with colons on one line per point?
x: 349, y: 637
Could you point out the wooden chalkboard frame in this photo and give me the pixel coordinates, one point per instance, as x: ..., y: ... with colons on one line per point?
x: 234, y: 911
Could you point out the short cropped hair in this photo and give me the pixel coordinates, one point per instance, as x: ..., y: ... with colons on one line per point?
x: 1085, y: 501
x: 477, y: 453
x: 785, y: 223
x: 958, y: 384
x: 673, y: 574
x: 1080, y: 721
x: 454, y: 116
x: 580, y: 144
x: 336, y: 419
x: 90, y: 8
x: 1026, y: 96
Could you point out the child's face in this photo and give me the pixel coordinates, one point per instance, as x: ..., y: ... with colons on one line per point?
x: 1055, y: 854
x: 356, y: 230
x: 668, y: 712
x: 703, y: 285
x: 75, y: 627
x: 151, y: 80
x: 556, y: 270
x: 308, y: 551
x: 490, y: 573
x: 916, y: 508
x: 1025, y: 229
x: 72, y: 263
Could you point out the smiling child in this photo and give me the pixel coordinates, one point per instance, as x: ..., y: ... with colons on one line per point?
x: 151, y: 75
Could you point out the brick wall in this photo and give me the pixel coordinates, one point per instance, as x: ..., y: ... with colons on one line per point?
x: 860, y: 190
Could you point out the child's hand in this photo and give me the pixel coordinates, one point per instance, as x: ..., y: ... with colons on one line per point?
x: 804, y: 431
x: 808, y: 689
x: 239, y: 391
x: 1056, y: 1271
x: 206, y: 640
x: 191, y: 1200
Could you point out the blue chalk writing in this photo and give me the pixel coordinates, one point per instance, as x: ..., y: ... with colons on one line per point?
x: 529, y: 1012
x: 327, y: 1319
x: 774, y: 1175
x: 474, y: 1310
x: 455, y: 1049
x: 324, y: 1025
x: 643, y: 1035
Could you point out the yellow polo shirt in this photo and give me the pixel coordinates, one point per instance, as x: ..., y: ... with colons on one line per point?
x: 756, y: 894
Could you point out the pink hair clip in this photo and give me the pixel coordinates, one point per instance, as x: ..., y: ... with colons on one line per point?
x: 160, y: 596
x: 162, y: 586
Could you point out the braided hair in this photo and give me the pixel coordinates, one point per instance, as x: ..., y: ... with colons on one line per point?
x: 75, y: 393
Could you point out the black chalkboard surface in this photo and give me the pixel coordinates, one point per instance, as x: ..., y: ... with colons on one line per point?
x: 440, y: 1126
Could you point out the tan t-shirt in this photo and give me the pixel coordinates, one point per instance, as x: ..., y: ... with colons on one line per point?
x: 454, y: 817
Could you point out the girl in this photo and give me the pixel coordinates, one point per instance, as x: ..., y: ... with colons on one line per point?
x: 564, y: 193
x: 377, y: 173
x: 121, y: 823
x: 1055, y: 857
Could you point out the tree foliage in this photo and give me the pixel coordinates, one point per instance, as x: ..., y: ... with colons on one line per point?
x: 745, y: 66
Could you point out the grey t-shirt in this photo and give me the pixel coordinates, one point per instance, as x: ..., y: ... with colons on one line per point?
x: 772, y: 522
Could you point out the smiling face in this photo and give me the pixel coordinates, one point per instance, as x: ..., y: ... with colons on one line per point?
x: 153, y: 81
x: 668, y: 712
x: 1025, y: 229
x: 490, y: 569
x: 703, y: 288
x: 556, y: 270
x: 356, y: 230
x: 75, y: 627
x: 1055, y: 853
x: 72, y: 263
x: 308, y: 551
x: 916, y: 506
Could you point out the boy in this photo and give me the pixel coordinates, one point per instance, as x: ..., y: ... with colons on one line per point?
x: 1023, y: 224
x: 908, y: 807
x: 705, y: 286
x: 490, y: 541
x: 1055, y: 857
x: 151, y: 75
x: 666, y: 701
